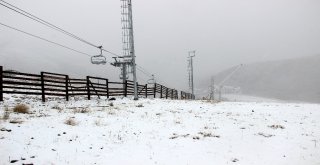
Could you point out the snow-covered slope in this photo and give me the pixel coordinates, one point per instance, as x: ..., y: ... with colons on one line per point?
x: 292, y: 79
x: 154, y: 131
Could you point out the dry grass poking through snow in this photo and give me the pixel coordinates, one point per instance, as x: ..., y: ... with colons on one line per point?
x: 16, y: 121
x: 140, y: 105
x: 81, y: 110
x: 6, y: 114
x: 71, y: 122
x: 21, y: 108
x: 57, y: 107
x: 276, y: 127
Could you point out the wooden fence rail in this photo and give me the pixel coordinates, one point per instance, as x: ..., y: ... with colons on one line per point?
x: 54, y: 84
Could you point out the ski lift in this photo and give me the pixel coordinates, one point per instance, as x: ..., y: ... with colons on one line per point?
x: 152, y: 80
x: 99, y: 59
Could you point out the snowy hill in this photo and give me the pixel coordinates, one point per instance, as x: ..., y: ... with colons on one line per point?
x: 154, y: 131
x: 294, y: 79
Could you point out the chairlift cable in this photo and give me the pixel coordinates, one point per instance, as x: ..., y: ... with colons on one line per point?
x: 46, y: 23
x: 144, y: 71
x: 141, y: 78
x: 41, y: 21
x: 41, y: 38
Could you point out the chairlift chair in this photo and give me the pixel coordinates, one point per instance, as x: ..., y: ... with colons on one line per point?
x: 99, y: 59
x: 152, y: 80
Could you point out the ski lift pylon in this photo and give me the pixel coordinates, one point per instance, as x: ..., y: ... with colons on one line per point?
x: 99, y: 59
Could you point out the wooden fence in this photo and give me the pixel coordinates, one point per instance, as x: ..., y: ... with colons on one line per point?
x: 53, y: 84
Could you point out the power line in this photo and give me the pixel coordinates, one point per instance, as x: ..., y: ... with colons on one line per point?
x: 141, y: 78
x: 144, y: 71
x: 41, y: 21
x: 35, y: 36
x: 48, y: 24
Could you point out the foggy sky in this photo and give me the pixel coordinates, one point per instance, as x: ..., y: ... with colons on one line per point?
x: 224, y: 33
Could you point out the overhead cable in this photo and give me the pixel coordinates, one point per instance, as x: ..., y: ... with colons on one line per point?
x: 48, y: 24
x: 41, y: 38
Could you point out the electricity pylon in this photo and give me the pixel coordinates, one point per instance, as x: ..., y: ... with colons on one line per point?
x: 190, y: 71
x: 212, y: 89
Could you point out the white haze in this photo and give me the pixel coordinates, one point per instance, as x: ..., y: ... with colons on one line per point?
x: 224, y: 33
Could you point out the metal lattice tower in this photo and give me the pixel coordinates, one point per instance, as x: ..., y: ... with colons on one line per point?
x: 190, y: 70
x: 211, y: 96
x: 128, y: 58
x: 126, y: 28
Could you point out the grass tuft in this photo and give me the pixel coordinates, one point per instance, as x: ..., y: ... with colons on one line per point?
x: 6, y: 114
x: 21, y: 108
x: 276, y: 126
x: 81, y: 110
x: 71, y: 122
x: 16, y: 121
x: 140, y: 105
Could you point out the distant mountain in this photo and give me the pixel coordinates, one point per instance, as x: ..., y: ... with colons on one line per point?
x: 292, y: 79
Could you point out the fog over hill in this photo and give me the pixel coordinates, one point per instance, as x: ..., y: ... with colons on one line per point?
x: 292, y: 79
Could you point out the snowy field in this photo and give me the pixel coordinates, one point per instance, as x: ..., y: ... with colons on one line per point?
x: 247, y: 98
x: 154, y: 131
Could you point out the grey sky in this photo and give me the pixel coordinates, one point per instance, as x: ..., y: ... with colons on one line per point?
x: 224, y: 33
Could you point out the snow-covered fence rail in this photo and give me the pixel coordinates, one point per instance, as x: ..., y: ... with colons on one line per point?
x: 20, y: 83
x: 61, y: 85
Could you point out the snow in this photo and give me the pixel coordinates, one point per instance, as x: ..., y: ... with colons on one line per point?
x: 155, y: 131
x: 247, y: 98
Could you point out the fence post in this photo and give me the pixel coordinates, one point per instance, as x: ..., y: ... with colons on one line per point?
x: 67, y: 88
x: 161, y: 91
x: 1, y: 83
x: 107, y: 85
x: 88, y: 88
x: 126, y: 88
x: 166, y: 93
x: 138, y: 89
x: 171, y: 93
x: 154, y: 90
x: 175, y: 94
x: 146, y: 92
x: 42, y: 88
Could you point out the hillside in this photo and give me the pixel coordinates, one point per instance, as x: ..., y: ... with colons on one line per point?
x: 292, y: 80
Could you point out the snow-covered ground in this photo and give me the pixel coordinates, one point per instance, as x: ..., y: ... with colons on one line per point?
x: 247, y: 98
x: 154, y: 131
